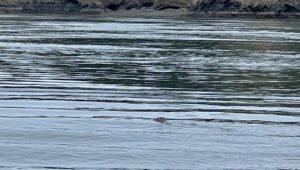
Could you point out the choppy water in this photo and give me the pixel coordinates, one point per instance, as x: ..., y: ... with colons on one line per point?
x: 82, y: 92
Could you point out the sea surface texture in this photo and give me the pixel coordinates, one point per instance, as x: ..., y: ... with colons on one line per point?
x: 88, y: 92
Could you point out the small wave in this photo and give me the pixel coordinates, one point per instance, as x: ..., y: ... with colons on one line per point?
x: 264, y: 122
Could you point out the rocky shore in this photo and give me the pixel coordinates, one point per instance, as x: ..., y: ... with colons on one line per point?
x: 247, y: 8
x: 202, y: 8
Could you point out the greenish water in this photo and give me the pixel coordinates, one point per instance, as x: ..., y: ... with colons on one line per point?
x: 81, y: 92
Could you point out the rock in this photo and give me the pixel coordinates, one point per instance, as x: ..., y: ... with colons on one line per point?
x: 71, y: 6
x: 112, y: 4
x: 217, y: 5
x: 10, y: 6
x: 44, y: 6
x: 130, y: 4
x: 173, y: 4
x: 146, y: 3
x: 160, y: 119
x: 51, y: 6
x: 91, y: 4
x: 288, y: 6
x: 122, y: 4
x: 254, y: 6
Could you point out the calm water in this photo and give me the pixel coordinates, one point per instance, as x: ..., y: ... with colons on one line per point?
x: 82, y: 92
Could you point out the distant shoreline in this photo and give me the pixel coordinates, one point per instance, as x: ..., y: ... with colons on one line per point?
x: 169, y: 13
x: 186, y: 13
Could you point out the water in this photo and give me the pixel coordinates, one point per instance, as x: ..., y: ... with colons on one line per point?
x: 81, y: 92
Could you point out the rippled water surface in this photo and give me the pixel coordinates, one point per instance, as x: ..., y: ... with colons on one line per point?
x: 82, y: 92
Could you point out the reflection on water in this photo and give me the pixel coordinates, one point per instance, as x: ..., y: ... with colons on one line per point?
x: 81, y: 76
